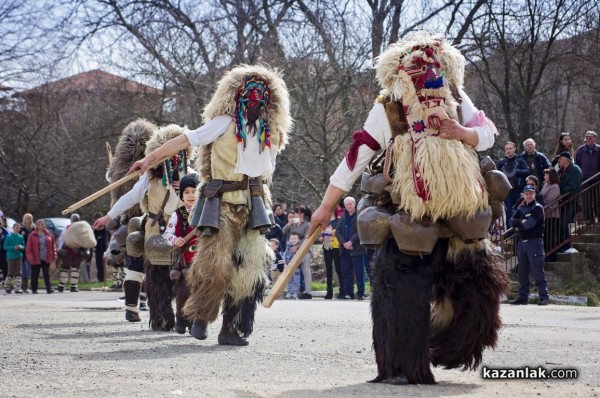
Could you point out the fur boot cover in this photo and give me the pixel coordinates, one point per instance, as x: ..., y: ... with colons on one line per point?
x: 130, y: 148
x: 231, y: 265
x: 159, y: 292
x: 468, y: 288
x: 464, y: 286
x: 80, y: 235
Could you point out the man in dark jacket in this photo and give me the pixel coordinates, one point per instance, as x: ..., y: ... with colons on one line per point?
x: 587, y: 158
x: 353, y: 255
x: 536, y: 161
x: 570, y: 183
x: 515, y: 168
x: 529, y: 222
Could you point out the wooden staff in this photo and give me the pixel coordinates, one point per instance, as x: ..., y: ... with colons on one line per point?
x: 110, y: 187
x: 288, y: 271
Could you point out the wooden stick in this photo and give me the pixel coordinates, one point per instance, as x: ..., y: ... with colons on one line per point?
x: 289, y: 270
x: 110, y: 187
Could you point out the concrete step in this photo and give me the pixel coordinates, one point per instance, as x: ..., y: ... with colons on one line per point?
x: 553, y: 266
x: 569, y: 257
x: 588, y: 238
x: 584, y: 247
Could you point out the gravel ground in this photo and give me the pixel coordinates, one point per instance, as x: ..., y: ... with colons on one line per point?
x: 78, y: 344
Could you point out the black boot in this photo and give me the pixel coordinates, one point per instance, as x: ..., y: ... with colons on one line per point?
x: 199, y: 330
x: 132, y: 295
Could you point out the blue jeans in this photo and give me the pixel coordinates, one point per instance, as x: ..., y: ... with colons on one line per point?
x: 293, y: 286
x: 531, y: 259
x: 513, y: 197
x: 353, y: 266
x: 26, y: 269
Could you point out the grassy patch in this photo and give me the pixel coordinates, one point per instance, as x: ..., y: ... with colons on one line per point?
x: 588, y: 288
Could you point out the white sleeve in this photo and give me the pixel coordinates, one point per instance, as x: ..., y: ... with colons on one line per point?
x: 210, y: 131
x: 378, y: 127
x: 131, y: 198
x: 475, y: 118
x: 170, y: 233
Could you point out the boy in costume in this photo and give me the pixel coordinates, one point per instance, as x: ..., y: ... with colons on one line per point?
x: 177, y: 229
x: 246, y: 124
x: 437, y: 284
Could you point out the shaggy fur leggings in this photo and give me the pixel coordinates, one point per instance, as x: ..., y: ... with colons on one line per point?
x: 229, y: 270
x: 409, y: 333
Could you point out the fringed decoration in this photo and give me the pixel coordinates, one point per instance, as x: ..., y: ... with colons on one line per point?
x: 257, y: 90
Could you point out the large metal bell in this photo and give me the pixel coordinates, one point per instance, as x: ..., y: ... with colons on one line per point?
x: 471, y: 229
x: 120, y: 235
x: 412, y: 237
x: 158, y: 251
x: 486, y: 164
x: 373, y: 226
x: 258, y: 218
x: 135, y: 244
x: 135, y: 224
x: 497, y: 209
x: 209, y: 219
x: 498, y: 185
x: 364, y: 203
x: 195, y: 220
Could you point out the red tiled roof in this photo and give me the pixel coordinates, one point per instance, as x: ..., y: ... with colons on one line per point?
x: 92, y: 81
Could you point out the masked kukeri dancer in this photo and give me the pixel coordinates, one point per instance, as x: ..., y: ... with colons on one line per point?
x: 437, y: 286
x: 246, y: 124
x: 148, y: 255
x: 177, y: 230
x: 75, y: 243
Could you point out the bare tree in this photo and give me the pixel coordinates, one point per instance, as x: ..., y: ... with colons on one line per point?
x: 517, y: 44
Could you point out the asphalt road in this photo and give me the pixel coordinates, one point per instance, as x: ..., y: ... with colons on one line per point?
x: 78, y: 344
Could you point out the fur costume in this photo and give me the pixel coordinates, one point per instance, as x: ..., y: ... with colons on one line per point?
x: 80, y: 235
x: 159, y: 287
x: 130, y: 148
x: 441, y: 308
x: 230, y: 268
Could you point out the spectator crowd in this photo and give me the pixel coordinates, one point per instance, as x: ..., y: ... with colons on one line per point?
x: 551, y: 181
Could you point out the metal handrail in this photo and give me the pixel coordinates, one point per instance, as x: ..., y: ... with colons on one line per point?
x: 557, y: 235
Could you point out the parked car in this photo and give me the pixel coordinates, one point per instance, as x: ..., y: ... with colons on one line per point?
x: 10, y: 222
x: 56, y: 225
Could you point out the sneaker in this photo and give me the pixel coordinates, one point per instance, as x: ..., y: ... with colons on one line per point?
x: 59, y: 289
x: 8, y: 290
x: 143, y: 306
x: 360, y: 298
x: 571, y: 250
x: 49, y: 291
x: 121, y: 298
x: 305, y: 296
x: 74, y: 289
x: 288, y: 296
x: 18, y: 291
x: 295, y: 296
x: 132, y: 316
x: 543, y: 301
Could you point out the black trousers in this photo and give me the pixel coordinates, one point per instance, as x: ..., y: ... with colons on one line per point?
x: 35, y: 274
x: 332, y: 259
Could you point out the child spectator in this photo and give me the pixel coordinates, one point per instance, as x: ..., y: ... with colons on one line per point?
x: 14, y: 244
x: 177, y: 229
x: 293, y: 287
x: 279, y: 263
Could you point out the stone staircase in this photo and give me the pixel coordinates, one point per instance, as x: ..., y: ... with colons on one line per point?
x: 574, y: 266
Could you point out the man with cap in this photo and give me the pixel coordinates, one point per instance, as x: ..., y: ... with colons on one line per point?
x: 529, y: 221
x: 587, y: 158
x: 570, y: 183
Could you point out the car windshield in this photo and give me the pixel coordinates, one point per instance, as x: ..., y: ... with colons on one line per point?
x: 59, y: 223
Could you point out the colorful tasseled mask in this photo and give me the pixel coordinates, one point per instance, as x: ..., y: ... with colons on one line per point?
x: 253, y: 94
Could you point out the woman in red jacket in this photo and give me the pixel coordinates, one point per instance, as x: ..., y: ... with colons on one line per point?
x: 41, y: 251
